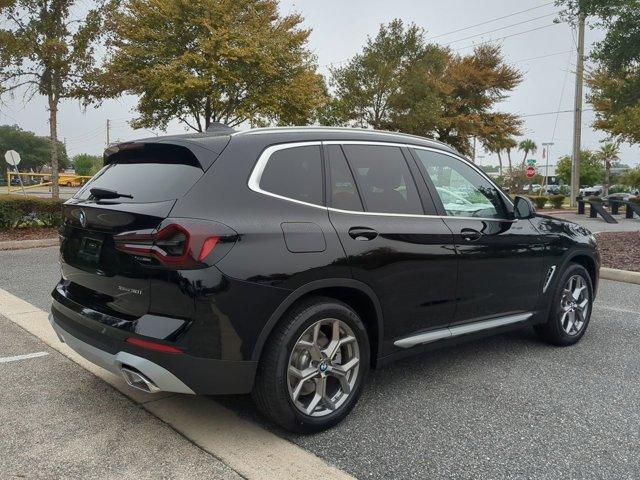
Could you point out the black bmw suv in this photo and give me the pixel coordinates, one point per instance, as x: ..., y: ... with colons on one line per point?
x: 287, y: 262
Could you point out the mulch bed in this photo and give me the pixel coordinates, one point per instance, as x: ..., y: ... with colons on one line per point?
x: 28, y: 234
x: 620, y: 250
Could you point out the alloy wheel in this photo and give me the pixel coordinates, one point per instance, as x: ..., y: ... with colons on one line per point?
x: 574, y: 305
x: 323, y: 367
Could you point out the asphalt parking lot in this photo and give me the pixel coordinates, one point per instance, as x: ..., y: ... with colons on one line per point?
x: 506, y: 407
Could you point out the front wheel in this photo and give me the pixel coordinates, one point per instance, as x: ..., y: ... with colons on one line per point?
x: 571, y: 308
x: 314, y: 365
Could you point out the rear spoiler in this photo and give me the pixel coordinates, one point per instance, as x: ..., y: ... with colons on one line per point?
x: 167, y: 151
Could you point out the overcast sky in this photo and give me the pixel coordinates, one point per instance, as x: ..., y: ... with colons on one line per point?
x: 339, y: 31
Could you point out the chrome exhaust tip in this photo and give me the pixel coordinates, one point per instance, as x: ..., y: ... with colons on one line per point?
x: 137, y: 380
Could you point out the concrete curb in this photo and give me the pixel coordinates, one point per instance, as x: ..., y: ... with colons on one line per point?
x: 247, y: 448
x: 620, y: 275
x: 24, y: 244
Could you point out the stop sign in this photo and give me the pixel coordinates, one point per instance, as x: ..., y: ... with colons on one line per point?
x: 531, y: 172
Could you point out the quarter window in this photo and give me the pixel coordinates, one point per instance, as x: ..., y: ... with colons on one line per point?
x: 462, y: 190
x: 383, y: 178
x: 295, y: 173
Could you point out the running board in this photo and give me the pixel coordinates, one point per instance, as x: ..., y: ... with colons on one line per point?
x: 459, y: 330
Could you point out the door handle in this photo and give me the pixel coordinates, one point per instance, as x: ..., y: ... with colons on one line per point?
x: 470, y: 235
x: 362, y: 233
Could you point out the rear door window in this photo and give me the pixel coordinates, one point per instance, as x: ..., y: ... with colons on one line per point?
x: 384, y: 180
x: 344, y: 193
x: 295, y: 173
x: 154, y: 173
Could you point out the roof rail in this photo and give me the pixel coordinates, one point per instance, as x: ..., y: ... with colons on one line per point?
x: 263, y: 130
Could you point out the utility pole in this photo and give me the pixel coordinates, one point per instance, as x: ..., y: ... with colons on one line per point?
x: 474, y: 149
x: 577, y: 116
x: 547, y: 148
x: 108, y: 127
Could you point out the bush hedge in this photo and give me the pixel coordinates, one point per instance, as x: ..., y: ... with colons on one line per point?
x: 539, y: 201
x: 557, y: 200
x: 19, y: 211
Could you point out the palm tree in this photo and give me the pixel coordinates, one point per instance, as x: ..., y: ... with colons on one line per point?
x: 608, y: 153
x: 527, y: 146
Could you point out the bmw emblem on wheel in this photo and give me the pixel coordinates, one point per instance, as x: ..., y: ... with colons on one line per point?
x: 83, y: 218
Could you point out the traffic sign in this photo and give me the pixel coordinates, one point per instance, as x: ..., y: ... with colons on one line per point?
x: 531, y: 172
x: 531, y: 162
x: 12, y: 157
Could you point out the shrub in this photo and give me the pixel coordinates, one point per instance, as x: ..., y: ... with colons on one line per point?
x: 557, y: 200
x: 539, y: 201
x: 17, y: 211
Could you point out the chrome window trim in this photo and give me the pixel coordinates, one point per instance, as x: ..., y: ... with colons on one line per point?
x: 263, y: 159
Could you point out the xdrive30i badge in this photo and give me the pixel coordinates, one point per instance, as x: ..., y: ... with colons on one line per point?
x: 130, y: 290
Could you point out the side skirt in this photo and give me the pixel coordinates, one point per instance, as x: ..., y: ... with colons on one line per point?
x: 464, y: 333
x: 459, y: 330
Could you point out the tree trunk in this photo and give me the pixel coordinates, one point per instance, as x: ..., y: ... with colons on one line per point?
x: 511, y: 175
x: 499, y: 162
x: 53, y: 137
x: 607, y: 176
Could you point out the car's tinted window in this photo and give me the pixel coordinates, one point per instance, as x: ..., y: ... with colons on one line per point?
x: 383, y: 179
x: 344, y: 194
x: 295, y: 173
x: 462, y: 190
x: 153, y: 173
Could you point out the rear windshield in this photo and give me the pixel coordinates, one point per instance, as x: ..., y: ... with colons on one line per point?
x: 152, y: 174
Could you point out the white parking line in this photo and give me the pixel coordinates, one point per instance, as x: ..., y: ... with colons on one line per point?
x: 250, y: 450
x: 17, y: 358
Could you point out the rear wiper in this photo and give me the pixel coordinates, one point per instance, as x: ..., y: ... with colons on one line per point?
x: 105, y: 193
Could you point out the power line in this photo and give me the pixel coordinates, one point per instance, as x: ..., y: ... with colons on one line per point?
x: 542, y: 56
x: 491, y: 20
x: 503, y: 28
x: 553, y: 113
x: 507, y: 36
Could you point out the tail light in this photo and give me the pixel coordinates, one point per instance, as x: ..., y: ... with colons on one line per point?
x: 179, y: 243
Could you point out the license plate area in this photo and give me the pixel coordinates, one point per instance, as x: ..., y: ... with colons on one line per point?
x: 90, y: 249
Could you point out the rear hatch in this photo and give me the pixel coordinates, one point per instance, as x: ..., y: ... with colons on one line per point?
x: 101, y: 237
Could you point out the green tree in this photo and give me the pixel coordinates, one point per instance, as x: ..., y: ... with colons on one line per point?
x: 365, y: 86
x: 614, y: 79
x: 591, y: 169
x: 608, y: 154
x: 631, y: 178
x: 85, y: 164
x: 48, y: 49
x: 35, y: 151
x: 205, y: 61
x: 527, y: 146
x: 400, y: 82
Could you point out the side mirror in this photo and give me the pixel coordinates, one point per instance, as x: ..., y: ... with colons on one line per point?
x: 524, y: 208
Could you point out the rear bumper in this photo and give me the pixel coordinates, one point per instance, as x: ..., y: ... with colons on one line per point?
x: 161, y: 377
x: 179, y: 373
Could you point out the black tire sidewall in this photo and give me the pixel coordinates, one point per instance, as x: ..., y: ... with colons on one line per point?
x: 305, y: 318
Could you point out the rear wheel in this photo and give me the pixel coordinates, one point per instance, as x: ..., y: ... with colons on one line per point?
x: 313, y: 367
x: 571, y: 309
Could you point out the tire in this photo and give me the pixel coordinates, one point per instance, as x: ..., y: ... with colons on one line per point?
x: 276, y: 385
x: 555, y: 329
